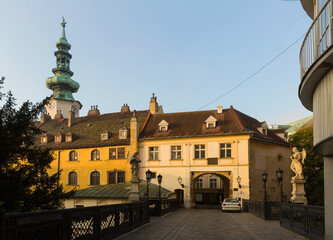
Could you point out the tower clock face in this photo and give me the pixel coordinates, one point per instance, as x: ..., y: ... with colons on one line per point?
x: 51, y: 105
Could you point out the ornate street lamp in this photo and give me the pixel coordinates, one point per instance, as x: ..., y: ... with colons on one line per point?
x: 239, y: 181
x: 180, y: 181
x: 148, y: 177
x: 159, y: 179
x: 264, y: 179
x: 279, y: 176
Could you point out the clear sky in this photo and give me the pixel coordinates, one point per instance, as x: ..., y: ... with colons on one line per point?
x: 187, y: 52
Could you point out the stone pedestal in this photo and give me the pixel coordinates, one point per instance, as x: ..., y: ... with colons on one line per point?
x: 135, y: 194
x: 298, y: 193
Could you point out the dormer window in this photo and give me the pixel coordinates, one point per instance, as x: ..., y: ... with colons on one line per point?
x: 211, y: 122
x: 123, y: 133
x: 262, y: 128
x: 58, y: 138
x: 105, y: 135
x: 69, y: 137
x: 45, y: 138
x: 163, y: 126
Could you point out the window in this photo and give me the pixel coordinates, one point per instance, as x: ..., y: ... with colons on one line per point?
x: 123, y: 133
x: 116, y: 177
x: 153, y: 153
x: 95, y: 178
x: 264, y: 132
x: 121, y: 177
x: 163, y: 129
x: 111, y: 177
x: 121, y: 153
x: 198, y: 183
x: 95, y: 154
x: 210, y: 125
x: 212, y: 183
x: 225, y: 150
x: 72, y: 178
x: 58, y: 138
x: 112, y: 153
x: 176, y: 152
x: 163, y: 126
x: 73, y: 156
x: 199, y: 151
x: 104, y: 135
x: 44, y: 139
x: 69, y: 138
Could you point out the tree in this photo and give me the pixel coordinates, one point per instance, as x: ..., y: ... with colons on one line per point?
x: 24, y: 183
x: 313, y: 166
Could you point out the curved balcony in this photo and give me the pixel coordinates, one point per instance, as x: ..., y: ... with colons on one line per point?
x: 316, y: 55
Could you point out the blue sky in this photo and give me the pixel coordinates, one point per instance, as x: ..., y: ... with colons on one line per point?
x: 187, y: 52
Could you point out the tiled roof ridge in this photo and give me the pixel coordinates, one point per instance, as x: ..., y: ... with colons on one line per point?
x: 189, y: 112
x: 145, y: 123
x: 237, y: 118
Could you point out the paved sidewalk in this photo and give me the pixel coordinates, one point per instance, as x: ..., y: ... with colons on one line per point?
x: 210, y: 224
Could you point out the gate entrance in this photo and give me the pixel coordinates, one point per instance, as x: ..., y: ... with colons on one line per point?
x: 209, y: 190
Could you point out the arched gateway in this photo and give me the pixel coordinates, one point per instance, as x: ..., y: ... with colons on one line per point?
x: 208, y: 189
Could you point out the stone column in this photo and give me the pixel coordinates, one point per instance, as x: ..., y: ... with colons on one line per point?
x: 135, y: 193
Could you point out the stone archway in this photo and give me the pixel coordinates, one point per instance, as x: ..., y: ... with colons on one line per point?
x: 209, y: 195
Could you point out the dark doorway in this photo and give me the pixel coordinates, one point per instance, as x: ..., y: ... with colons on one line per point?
x: 180, y: 197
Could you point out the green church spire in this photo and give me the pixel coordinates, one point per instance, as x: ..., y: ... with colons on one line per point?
x: 61, y: 83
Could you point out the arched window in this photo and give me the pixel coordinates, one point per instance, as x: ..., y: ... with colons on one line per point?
x: 73, y: 156
x: 72, y: 178
x: 95, y: 177
x: 95, y: 155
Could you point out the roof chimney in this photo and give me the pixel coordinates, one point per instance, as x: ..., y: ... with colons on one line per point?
x: 44, y: 118
x: 219, y: 109
x: 71, y: 117
x: 93, y: 111
x: 125, y: 108
x: 58, y: 115
x: 153, y: 105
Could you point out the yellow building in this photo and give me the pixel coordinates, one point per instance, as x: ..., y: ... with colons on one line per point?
x: 92, y: 150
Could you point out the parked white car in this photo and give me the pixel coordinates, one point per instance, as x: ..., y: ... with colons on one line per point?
x: 231, y: 204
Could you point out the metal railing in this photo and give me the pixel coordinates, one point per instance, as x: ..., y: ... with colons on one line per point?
x: 318, y: 38
x: 306, y: 220
x: 264, y: 210
x: 160, y: 208
x: 303, y: 219
x: 102, y: 222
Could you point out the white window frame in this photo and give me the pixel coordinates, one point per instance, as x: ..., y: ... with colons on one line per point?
x: 176, y: 151
x: 201, y: 149
x: 199, y: 183
x: 225, y: 148
x: 153, y: 153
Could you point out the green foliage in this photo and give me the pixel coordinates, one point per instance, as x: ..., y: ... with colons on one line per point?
x: 24, y: 185
x: 313, y: 166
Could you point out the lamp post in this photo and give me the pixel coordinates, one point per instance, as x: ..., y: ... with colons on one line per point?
x: 159, y: 179
x: 180, y: 181
x: 239, y: 182
x: 264, y: 179
x: 148, y: 177
x: 279, y: 176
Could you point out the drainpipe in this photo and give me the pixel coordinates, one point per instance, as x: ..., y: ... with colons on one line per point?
x: 58, y: 166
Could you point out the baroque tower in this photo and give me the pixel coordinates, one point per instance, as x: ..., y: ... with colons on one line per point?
x: 63, y: 87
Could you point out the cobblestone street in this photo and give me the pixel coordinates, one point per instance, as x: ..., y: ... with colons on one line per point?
x: 210, y: 224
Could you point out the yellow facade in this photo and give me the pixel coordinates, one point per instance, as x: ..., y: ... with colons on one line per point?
x: 84, y: 166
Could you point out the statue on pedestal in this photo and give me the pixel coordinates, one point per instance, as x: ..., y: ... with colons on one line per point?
x: 297, y: 161
x: 134, y: 161
x: 298, y: 181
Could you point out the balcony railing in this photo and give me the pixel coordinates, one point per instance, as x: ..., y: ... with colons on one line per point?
x: 318, y: 38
